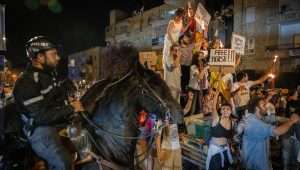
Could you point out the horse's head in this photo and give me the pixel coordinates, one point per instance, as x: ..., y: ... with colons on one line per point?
x: 152, y: 93
x: 116, y: 101
x: 156, y: 97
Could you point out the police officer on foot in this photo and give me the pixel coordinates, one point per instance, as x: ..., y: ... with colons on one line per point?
x: 43, y: 105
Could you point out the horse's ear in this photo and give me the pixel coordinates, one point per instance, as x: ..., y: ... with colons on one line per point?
x: 139, y: 68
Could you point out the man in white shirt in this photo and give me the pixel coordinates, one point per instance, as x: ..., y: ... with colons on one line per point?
x: 240, y: 91
x: 172, y: 72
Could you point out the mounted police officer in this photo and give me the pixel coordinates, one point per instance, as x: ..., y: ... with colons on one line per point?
x: 44, y: 104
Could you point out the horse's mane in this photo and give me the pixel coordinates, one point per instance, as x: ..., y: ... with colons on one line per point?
x: 118, y: 60
x: 89, y: 99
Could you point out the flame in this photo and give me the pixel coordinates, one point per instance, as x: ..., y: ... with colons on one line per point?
x: 275, y: 58
x: 272, y: 76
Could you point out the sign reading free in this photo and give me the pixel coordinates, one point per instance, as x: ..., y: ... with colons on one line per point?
x: 222, y: 57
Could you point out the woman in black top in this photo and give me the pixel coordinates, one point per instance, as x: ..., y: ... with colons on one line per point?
x: 219, y: 156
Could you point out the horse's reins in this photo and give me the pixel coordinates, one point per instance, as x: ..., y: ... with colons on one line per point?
x: 112, y: 84
x: 102, y: 95
x: 121, y: 136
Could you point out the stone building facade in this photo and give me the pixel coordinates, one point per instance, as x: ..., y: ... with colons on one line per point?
x: 271, y: 27
x: 147, y: 29
x: 85, y: 65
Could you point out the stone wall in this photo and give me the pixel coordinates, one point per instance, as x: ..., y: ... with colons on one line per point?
x: 260, y: 21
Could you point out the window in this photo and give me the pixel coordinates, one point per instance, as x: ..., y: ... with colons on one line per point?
x: 251, y: 45
x: 288, y: 32
x: 250, y: 15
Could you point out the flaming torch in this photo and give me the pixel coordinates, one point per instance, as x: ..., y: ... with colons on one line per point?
x: 275, y: 59
x: 271, y: 75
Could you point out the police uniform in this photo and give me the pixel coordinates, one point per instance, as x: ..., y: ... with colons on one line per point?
x: 42, y: 101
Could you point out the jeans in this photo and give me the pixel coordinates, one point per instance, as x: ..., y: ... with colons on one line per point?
x: 46, y: 143
x: 290, y: 148
x: 216, y: 162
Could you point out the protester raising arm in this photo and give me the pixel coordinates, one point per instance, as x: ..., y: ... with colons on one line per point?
x: 215, y: 116
x: 282, y: 129
x: 262, y: 79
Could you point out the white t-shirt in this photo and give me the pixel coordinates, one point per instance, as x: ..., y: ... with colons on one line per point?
x: 242, y: 97
x: 194, y: 82
x: 171, y: 141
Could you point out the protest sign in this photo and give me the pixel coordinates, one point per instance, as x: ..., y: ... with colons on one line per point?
x: 202, y: 17
x: 222, y: 60
x: 238, y: 44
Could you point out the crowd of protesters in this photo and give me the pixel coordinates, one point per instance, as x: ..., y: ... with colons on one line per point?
x: 243, y: 112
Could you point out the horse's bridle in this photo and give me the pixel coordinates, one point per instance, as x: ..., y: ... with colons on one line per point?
x: 156, y: 96
x: 147, y: 89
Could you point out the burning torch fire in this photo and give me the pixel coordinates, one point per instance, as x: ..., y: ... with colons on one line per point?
x: 275, y: 58
x: 271, y: 75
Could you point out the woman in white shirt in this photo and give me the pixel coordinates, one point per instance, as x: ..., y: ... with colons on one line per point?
x: 174, y: 29
x: 197, y: 75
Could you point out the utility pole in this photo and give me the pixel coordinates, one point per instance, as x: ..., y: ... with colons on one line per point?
x: 2, y: 28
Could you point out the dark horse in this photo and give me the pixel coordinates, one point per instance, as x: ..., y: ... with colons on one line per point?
x: 114, y: 104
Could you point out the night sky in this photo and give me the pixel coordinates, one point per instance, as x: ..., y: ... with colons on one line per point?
x: 79, y: 25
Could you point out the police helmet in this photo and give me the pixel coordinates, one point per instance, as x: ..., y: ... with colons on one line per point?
x: 37, y: 45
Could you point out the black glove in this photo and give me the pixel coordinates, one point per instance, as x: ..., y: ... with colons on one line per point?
x: 69, y: 87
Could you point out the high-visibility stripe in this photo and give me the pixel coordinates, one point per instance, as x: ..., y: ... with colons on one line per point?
x: 36, y: 77
x: 47, y: 90
x: 33, y: 100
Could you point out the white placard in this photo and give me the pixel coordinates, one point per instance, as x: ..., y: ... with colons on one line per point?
x: 238, y: 44
x: 202, y: 17
x: 222, y: 57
